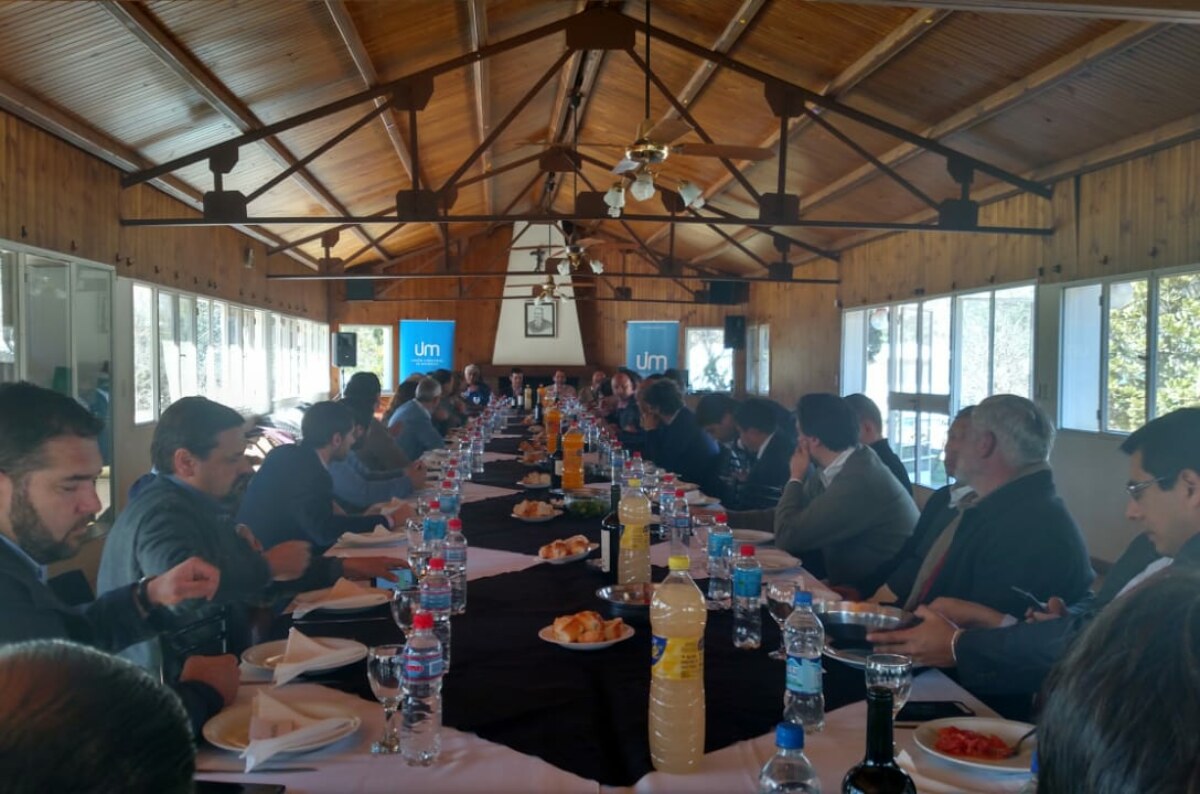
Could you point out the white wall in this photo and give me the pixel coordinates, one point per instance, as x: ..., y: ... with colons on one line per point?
x: 1091, y: 472
x: 512, y: 346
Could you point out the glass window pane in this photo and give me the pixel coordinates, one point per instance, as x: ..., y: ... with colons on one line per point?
x: 878, y: 356
x: 1082, y: 321
x: 47, y: 320
x: 907, y: 363
x: 143, y: 354
x: 974, y: 347
x: 1012, y: 339
x: 764, y: 359
x: 1177, y: 380
x: 903, y: 437
x: 931, y: 467
x: 8, y: 316
x: 374, y: 352
x: 217, y: 353
x: 1127, y: 316
x: 203, y: 345
x: 234, y: 362
x: 188, y: 364
x: 168, y: 352
x: 935, y: 346
x: 710, y: 364
x: 854, y: 351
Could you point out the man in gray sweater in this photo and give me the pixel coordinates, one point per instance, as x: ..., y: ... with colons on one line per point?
x: 851, y: 509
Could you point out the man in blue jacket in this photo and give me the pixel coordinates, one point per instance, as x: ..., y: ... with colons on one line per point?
x: 418, y: 435
x: 674, y: 439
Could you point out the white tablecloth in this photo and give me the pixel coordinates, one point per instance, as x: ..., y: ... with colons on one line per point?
x: 474, y: 492
x: 481, y: 562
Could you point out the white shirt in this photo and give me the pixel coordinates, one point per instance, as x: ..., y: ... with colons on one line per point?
x: 1150, y: 570
x: 763, y: 448
x: 835, y: 466
x: 958, y: 493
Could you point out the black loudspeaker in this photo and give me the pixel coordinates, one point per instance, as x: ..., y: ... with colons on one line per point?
x: 360, y: 289
x: 345, y: 349
x: 735, y: 332
x: 728, y: 293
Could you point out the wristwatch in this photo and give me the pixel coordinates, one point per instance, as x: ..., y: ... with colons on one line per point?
x: 141, y: 595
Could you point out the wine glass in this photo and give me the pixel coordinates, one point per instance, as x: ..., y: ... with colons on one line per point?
x: 701, y: 524
x: 781, y: 598
x: 405, y: 603
x: 891, y: 671
x: 385, y: 668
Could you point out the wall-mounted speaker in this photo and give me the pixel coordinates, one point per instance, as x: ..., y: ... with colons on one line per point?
x: 735, y: 332
x: 360, y: 289
x: 345, y: 349
x: 728, y: 293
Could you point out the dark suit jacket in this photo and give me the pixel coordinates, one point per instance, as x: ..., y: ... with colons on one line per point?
x: 291, y: 498
x: 884, y: 450
x: 684, y: 448
x: 1019, y: 535
x: 768, y: 474
x: 29, y: 610
x: 1016, y: 659
x: 900, y: 572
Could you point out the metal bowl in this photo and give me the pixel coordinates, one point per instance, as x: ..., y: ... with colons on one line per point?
x: 847, y: 624
x: 629, y: 601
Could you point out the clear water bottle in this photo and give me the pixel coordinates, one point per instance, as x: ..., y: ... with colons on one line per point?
x: 454, y: 550
x: 477, y: 454
x: 720, y: 554
x: 666, y: 493
x: 789, y: 770
x: 450, y: 498
x: 433, y: 526
x: 435, y: 599
x: 681, y: 524
x: 617, y: 458
x: 462, y: 459
x: 804, y: 639
x: 747, y: 588
x: 421, y: 696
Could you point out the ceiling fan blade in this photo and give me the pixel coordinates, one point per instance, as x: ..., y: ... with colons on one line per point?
x: 626, y: 167
x: 668, y: 130
x: 731, y: 152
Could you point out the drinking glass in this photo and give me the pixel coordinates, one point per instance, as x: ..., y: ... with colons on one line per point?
x: 701, y: 524
x: 781, y: 598
x: 405, y: 603
x: 891, y: 671
x: 385, y: 666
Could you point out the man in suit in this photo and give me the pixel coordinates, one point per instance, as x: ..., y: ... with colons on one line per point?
x: 477, y: 393
x: 852, y: 510
x: 49, y: 462
x: 769, y: 453
x: 291, y: 497
x: 870, y: 432
x: 419, y: 435
x: 674, y: 440
x: 996, y: 654
x: 714, y: 413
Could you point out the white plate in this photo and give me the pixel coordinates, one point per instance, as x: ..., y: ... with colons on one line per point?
x: 538, y: 519
x: 368, y: 539
x: 755, y: 537
x: 538, y: 487
x: 230, y: 728
x: 574, y: 557
x: 1008, y: 731
x: 260, y: 656
x: 775, y: 560
x: 369, y: 600
x: 547, y: 634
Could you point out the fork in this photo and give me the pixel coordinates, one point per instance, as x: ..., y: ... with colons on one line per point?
x: 1015, y: 750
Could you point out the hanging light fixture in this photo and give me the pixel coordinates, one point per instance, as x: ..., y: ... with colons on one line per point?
x: 597, y: 266
x: 691, y: 195
x: 642, y: 187
x: 615, y: 199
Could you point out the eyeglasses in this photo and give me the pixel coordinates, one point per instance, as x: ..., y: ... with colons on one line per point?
x: 1135, y: 488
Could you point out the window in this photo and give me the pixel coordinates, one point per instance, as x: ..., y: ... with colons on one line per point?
x: 758, y: 359
x: 1130, y: 351
x: 374, y: 352
x: 921, y: 361
x: 143, y: 354
x: 709, y: 363
x: 8, y: 314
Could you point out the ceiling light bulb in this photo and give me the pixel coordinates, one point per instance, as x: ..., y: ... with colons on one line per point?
x: 643, y: 186
x: 597, y: 266
x: 564, y: 268
x: 615, y: 196
x: 691, y: 195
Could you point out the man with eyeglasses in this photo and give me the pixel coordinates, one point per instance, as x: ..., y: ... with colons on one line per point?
x: 994, y: 654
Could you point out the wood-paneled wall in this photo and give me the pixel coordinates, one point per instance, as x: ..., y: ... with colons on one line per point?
x: 59, y: 198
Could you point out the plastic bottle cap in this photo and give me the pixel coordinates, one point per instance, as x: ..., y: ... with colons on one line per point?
x: 789, y: 736
x: 637, y: 455
x: 668, y: 478
x: 721, y: 518
x: 803, y: 598
x: 422, y: 620
x: 447, y: 484
x: 455, y: 523
x: 437, y: 564
x: 679, y: 494
x: 746, y: 551
x: 629, y: 464
x: 434, y: 504
x: 678, y: 562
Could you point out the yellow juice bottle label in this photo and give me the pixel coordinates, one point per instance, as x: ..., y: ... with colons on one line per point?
x: 635, y: 537
x: 677, y: 659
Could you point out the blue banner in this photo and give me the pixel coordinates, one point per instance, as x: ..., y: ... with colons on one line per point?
x: 651, y: 347
x: 426, y: 345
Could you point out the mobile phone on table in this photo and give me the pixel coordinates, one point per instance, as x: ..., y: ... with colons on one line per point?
x: 926, y: 710
x: 404, y: 580
x: 217, y: 787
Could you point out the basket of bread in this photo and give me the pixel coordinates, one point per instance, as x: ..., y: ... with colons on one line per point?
x: 586, y: 630
x: 568, y: 550
x: 535, y: 479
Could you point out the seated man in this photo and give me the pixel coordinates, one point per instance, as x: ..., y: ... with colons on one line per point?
x: 357, y: 487
x: 476, y: 393
x: 561, y: 388
x: 590, y: 395
x: 769, y: 453
x: 376, y: 450
x: 674, y: 440
x: 623, y: 413
x: 714, y: 413
x: 49, y: 462
x: 514, y: 385
x: 852, y: 510
x: 291, y: 497
x: 419, y: 435
x: 870, y: 432
x: 75, y: 719
x: 994, y: 654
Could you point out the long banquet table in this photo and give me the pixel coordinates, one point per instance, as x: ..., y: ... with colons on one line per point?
x: 522, y: 714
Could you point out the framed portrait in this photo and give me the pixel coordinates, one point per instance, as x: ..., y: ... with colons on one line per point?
x: 540, y: 319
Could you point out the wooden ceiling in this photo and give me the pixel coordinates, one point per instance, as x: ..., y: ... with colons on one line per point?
x: 1041, y: 88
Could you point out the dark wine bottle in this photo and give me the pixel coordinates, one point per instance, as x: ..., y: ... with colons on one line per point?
x: 878, y: 773
x: 556, y: 460
x: 610, y: 535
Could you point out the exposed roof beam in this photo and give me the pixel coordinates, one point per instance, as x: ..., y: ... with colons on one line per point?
x: 142, y: 24
x: 916, y: 25
x: 26, y: 106
x: 480, y: 73
x: 1185, y: 11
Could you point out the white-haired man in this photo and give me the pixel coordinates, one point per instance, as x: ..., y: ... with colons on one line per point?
x: 476, y: 392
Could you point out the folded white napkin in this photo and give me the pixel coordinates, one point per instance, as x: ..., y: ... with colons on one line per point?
x: 276, y: 728
x: 303, y: 653
x: 344, y: 594
x: 378, y: 536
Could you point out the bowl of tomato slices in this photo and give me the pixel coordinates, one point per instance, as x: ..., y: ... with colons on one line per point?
x: 978, y: 742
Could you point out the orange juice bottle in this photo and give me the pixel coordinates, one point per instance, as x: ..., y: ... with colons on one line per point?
x: 553, y: 427
x: 572, y: 476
